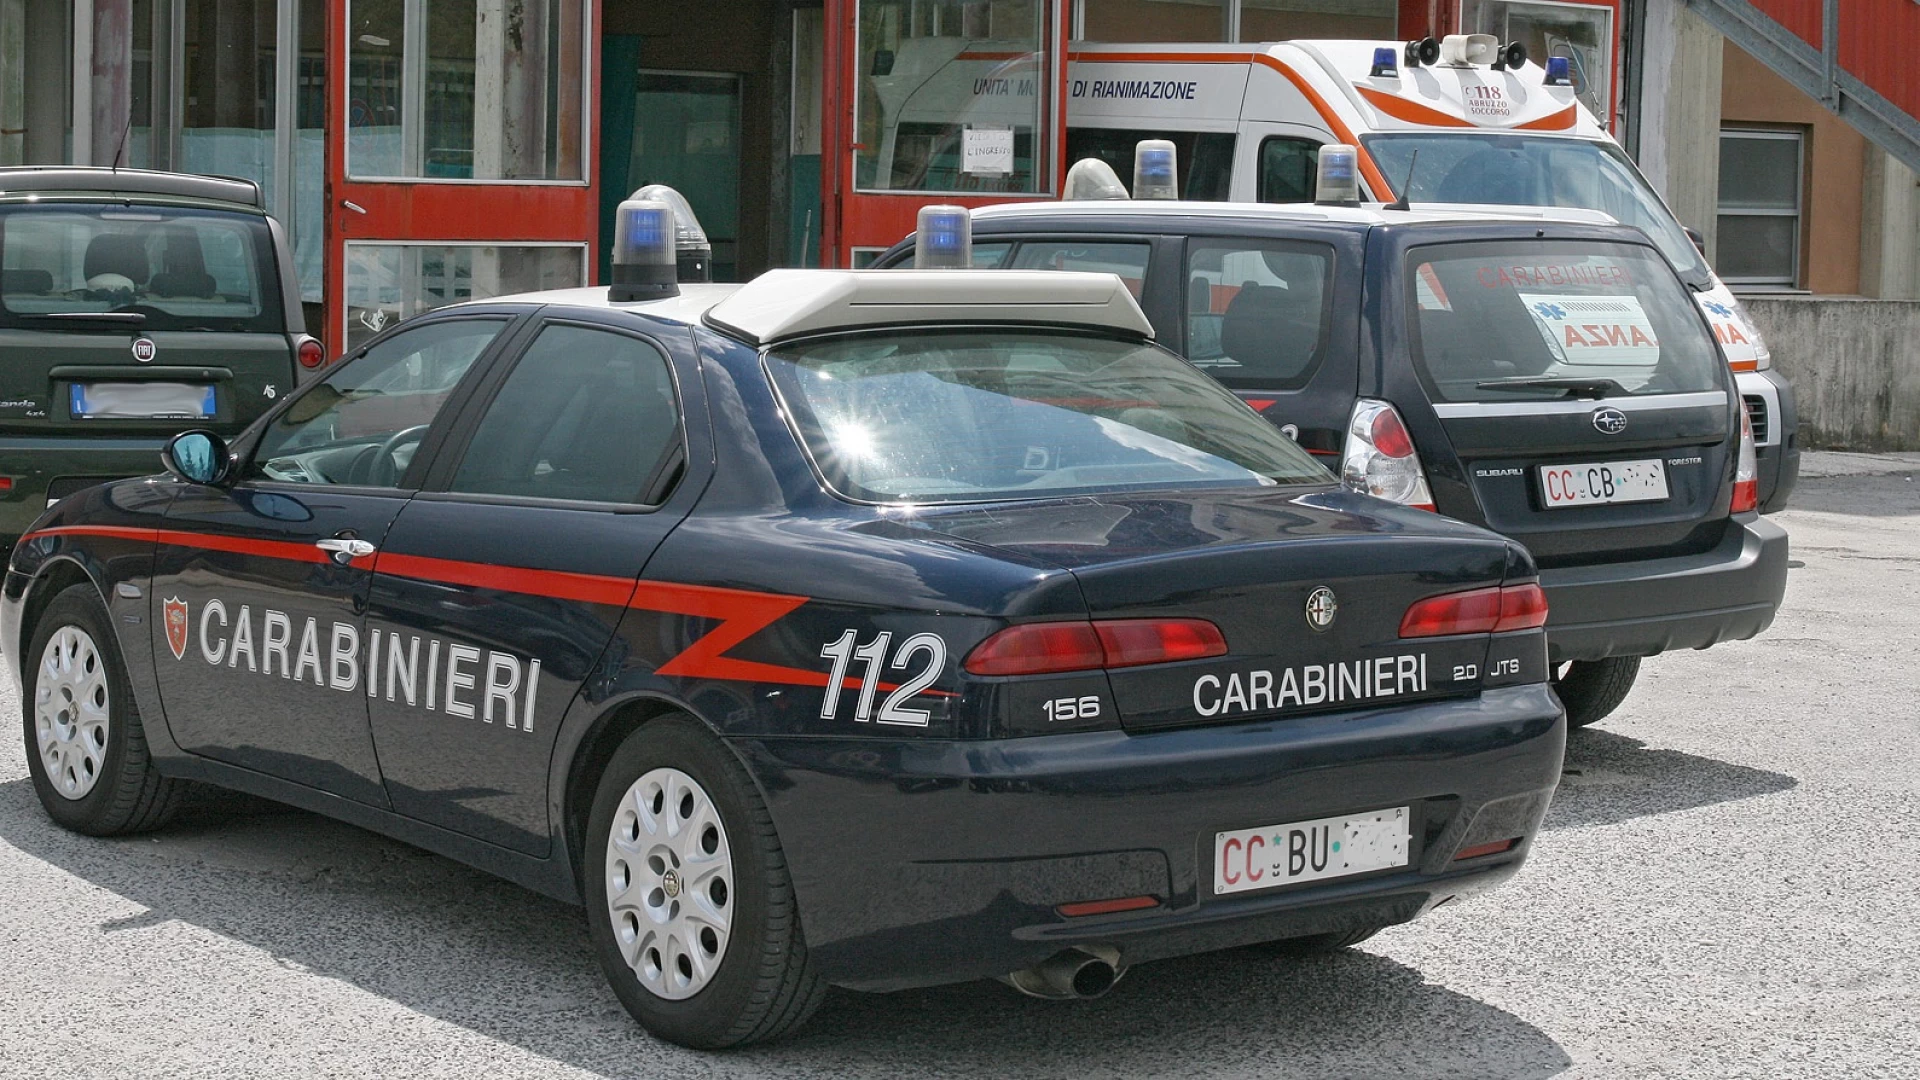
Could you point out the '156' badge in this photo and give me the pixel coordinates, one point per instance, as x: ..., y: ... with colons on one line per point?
x: 175, y: 610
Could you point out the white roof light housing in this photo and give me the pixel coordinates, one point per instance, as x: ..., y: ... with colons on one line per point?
x: 782, y: 304
x: 1092, y: 180
x: 693, y: 253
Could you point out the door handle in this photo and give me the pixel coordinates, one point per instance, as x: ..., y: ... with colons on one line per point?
x: 344, y: 550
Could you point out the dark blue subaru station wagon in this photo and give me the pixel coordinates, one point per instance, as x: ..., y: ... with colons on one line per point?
x: 873, y: 629
x: 1543, y: 373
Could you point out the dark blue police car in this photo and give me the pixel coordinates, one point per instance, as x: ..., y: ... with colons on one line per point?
x: 869, y: 629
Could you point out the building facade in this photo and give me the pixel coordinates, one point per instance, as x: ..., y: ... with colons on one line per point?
x: 426, y: 151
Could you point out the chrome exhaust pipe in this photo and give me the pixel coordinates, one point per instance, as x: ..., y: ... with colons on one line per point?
x: 1079, y: 973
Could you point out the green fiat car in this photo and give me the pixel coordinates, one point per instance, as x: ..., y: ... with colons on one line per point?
x: 133, y: 305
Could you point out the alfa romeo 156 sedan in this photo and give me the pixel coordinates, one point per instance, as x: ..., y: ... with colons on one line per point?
x: 873, y: 629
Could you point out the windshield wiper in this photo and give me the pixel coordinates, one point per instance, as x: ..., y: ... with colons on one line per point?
x: 129, y: 318
x: 1577, y: 385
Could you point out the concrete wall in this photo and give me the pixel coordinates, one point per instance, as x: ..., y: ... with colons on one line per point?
x: 1854, y: 365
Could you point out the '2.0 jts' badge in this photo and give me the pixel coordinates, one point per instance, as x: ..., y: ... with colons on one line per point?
x: 175, y: 612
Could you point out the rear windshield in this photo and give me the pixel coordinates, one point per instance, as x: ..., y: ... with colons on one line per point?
x: 979, y: 415
x: 1541, y: 320
x: 1534, y: 170
x: 180, y: 269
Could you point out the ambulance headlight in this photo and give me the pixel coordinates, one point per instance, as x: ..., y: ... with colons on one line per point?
x: 643, y: 252
x: 943, y: 239
x: 1386, y: 64
x: 1559, y: 71
x: 1091, y: 178
x: 1337, y: 185
x: 1153, y: 170
x: 693, y: 254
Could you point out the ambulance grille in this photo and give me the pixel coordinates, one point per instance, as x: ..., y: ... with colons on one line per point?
x: 1757, y: 416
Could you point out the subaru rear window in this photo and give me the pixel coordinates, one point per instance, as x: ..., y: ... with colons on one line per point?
x: 1546, y: 320
x: 984, y: 415
x: 176, y: 268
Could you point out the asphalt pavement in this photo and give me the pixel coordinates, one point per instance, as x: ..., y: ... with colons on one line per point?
x: 1725, y: 888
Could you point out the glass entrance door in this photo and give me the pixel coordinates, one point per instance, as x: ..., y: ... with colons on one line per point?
x: 686, y: 133
x: 456, y: 155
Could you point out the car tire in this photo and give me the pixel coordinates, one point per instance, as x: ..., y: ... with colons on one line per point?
x: 1592, y: 689
x: 86, y: 746
x: 673, y: 815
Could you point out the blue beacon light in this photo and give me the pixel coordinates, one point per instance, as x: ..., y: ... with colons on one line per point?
x: 1386, y: 64
x: 1559, y: 71
x: 643, y: 252
x: 943, y: 238
x: 1154, y: 170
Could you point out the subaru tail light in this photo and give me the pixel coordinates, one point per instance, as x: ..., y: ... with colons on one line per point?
x: 1746, y: 475
x: 1380, y: 459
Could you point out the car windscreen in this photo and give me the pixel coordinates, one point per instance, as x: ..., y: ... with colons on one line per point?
x: 178, y: 268
x: 1530, y: 320
x: 972, y: 415
x: 1534, y: 170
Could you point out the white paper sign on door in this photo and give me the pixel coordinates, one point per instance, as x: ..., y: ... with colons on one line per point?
x: 986, y: 151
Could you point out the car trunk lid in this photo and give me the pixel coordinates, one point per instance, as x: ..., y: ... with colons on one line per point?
x: 89, y: 379
x: 1308, y: 590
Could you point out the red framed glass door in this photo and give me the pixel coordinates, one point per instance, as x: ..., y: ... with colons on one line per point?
x: 937, y: 101
x: 460, y: 160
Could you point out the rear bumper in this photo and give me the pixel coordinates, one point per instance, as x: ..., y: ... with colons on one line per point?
x: 1650, y: 606
x: 920, y: 862
x: 36, y: 463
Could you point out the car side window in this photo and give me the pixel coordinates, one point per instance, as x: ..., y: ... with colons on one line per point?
x: 586, y: 414
x: 1288, y: 170
x: 1257, y: 310
x: 362, y: 423
x: 1129, y: 260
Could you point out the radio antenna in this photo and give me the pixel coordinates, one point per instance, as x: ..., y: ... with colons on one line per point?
x: 125, y: 133
x: 1406, y: 189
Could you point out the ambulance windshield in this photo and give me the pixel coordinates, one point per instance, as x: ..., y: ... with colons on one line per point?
x: 1532, y: 170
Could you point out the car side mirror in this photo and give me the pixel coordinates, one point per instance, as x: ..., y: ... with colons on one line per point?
x: 198, y: 457
x: 1699, y: 241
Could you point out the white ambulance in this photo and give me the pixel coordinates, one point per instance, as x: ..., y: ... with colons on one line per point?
x: 1461, y: 124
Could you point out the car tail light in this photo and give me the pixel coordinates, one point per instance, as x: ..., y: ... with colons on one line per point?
x: 1052, y: 647
x: 1477, y: 611
x: 1746, y: 475
x: 310, y: 353
x: 1380, y: 459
